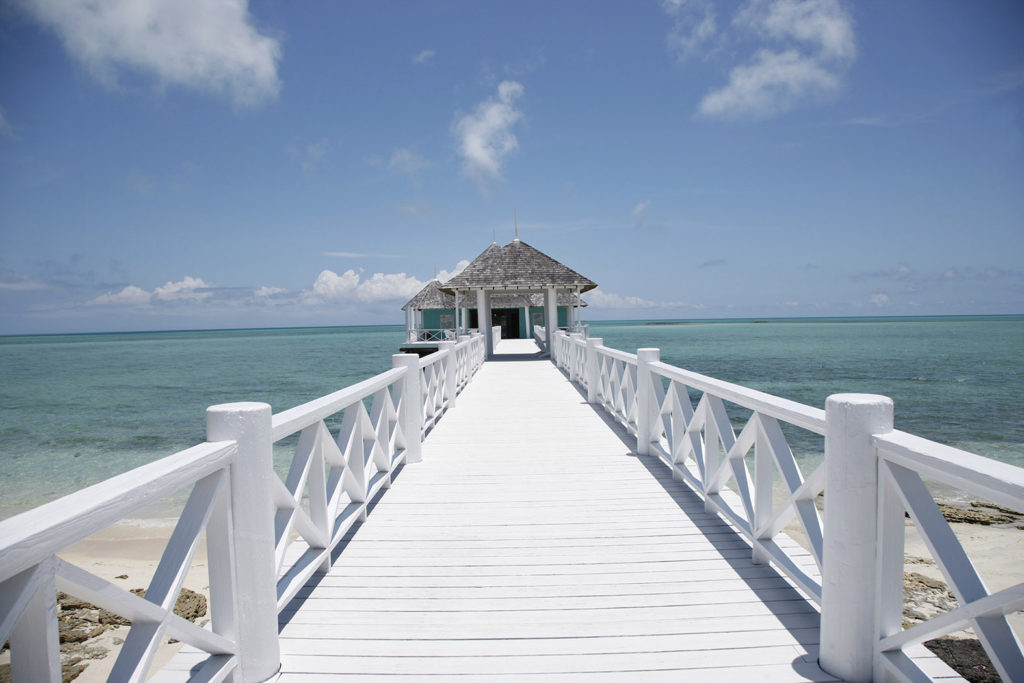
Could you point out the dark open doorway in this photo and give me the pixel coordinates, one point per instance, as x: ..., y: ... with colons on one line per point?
x: 508, y: 318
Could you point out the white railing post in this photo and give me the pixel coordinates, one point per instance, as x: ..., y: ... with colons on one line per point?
x: 593, y: 370
x: 451, y: 373
x: 646, y: 406
x: 849, y: 580
x: 410, y: 414
x: 35, y: 642
x: 252, y: 520
x: 574, y: 371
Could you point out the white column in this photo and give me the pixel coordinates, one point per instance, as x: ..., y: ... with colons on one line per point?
x: 483, y: 319
x: 849, y: 580
x: 645, y: 404
x: 252, y: 518
x: 410, y: 414
x: 458, y: 318
x: 551, y: 314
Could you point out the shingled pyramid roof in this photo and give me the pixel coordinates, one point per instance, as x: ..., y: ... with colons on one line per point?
x: 430, y: 297
x: 517, y: 265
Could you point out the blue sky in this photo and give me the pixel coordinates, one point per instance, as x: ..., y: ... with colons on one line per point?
x: 187, y: 164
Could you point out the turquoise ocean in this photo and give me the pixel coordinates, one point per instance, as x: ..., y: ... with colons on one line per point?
x: 77, y: 409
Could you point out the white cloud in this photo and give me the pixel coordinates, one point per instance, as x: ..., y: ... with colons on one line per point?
x: 208, y: 46
x: 600, y: 299
x: 805, y: 46
x: 822, y: 24
x: 383, y: 286
x: 330, y: 286
x: 312, y: 155
x: 357, y: 254
x: 16, y: 282
x: 773, y: 84
x: 188, y: 289
x: 694, y: 26
x: 485, y: 136
x: 880, y: 300
x: 423, y: 56
x: 445, y: 275
x: 641, y: 207
x: 266, y: 292
x: 129, y: 296
x: 408, y: 162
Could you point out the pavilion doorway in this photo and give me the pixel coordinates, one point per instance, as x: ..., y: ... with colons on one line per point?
x: 508, y: 319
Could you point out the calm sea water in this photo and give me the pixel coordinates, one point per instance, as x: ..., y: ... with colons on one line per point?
x: 77, y: 409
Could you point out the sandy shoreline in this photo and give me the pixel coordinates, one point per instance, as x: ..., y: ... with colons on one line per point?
x: 994, y: 545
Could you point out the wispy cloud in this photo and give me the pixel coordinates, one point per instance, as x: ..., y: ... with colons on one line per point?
x: 641, y: 207
x: 408, y: 162
x: 694, y: 26
x: 485, y: 136
x: 17, y: 282
x: 601, y: 299
x: 310, y: 156
x: 805, y: 46
x: 5, y: 128
x: 773, y: 84
x: 358, y: 254
x: 423, y: 56
x: 713, y: 263
x: 207, y: 46
x: 140, y: 183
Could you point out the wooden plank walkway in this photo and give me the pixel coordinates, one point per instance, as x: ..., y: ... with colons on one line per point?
x: 531, y: 542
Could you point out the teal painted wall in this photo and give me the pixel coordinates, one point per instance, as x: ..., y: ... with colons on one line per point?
x: 432, y: 317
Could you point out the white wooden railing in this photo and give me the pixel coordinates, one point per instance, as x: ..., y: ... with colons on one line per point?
x: 540, y: 335
x: 422, y: 334
x: 872, y: 476
x: 265, y: 537
x: 495, y: 338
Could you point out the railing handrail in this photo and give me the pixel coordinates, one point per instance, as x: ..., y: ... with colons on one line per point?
x: 999, y: 482
x: 804, y: 416
x: 292, y: 420
x: 436, y: 357
x: 616, y: 354
x: 29, y: 537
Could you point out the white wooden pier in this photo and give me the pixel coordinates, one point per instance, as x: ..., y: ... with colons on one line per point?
x: 532, y: 540
x: 524, y: 519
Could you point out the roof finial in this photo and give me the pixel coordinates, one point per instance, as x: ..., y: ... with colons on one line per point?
x: 495, y: 231
x: 515, y: 219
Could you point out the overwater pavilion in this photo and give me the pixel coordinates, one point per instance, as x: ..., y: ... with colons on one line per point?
x: 430, y: 316
x: 516, y: 287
